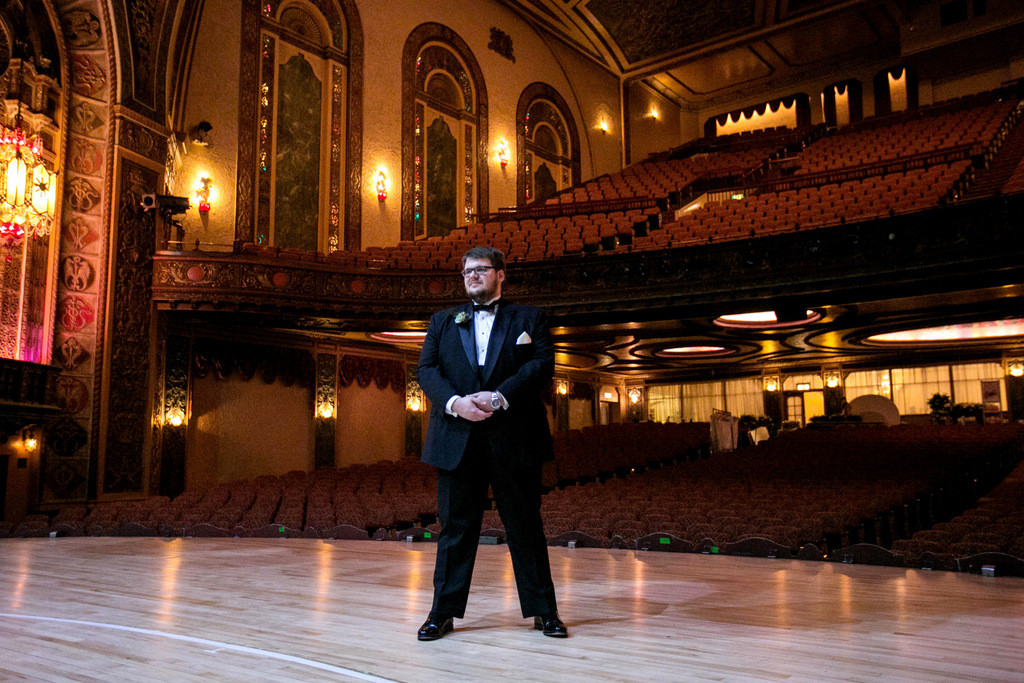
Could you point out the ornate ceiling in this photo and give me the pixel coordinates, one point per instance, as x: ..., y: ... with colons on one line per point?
x: 699, y: 50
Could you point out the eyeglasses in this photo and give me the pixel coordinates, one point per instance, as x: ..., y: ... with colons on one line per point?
x: 479, y: 270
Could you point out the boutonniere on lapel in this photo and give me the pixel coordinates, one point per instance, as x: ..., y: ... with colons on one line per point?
x: 461, y: 318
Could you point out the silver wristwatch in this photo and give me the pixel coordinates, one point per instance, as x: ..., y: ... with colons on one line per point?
x: 495, y: 400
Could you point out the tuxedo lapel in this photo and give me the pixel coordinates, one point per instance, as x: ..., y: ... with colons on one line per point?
x: 466, y: 334
x: 502, y: 322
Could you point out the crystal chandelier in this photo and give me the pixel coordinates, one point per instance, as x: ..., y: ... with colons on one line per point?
x: 28, y: 191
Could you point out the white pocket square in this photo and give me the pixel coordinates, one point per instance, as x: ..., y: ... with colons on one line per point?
x: 523, y: 339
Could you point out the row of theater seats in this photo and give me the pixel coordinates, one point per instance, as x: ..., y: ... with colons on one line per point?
x: 656, y: 179
x: 810, y: 489
x: 995, y: 525
x: 366, y: 499
x: 814, y: 207
x: 973, y: 127
x: 593, y: 453
x: 545, y: 239
x: 360, y: 497
x: 1015, y: 183
x: 526, y: 240
x: 863, y: 484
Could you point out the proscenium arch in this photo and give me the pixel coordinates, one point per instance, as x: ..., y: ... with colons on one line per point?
x: 532, y: 93
x: 419, y: 37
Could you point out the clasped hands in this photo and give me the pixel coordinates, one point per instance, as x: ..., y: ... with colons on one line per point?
x: 474, y: 407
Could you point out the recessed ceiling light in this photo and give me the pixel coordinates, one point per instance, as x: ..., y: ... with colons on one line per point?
x: 764, y: 320
x: 691, y: 350
x: 759, y: 317
x: 401, y: 337
x: 992, y: 329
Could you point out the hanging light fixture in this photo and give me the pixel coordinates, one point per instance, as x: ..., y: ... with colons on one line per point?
x: 29, y: 190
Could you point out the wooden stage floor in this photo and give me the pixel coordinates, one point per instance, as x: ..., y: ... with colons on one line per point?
x: 138, y: 609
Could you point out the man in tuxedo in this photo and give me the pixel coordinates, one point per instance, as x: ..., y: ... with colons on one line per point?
x: 485, y: 366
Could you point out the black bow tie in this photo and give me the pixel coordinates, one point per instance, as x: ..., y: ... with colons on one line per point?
x: 486, y: 307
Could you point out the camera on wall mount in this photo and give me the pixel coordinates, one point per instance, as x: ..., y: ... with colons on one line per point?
x: 166, y: 204
x: 167, y: 207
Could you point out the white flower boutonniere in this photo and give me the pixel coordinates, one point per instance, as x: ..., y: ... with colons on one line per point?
x: 461, y: 318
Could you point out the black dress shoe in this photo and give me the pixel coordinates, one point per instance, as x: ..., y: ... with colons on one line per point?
x: 434, y: 628
x: 551, y: 625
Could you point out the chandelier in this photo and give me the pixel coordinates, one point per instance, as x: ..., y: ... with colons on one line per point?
x: 28, y: 191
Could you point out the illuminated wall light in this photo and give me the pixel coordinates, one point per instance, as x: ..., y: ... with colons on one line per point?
x: 562, y: 387
x: 503, y: 153
x: 203, y: 188
x: 654, y: 113
x: 634, y: 395
x: 29, y: 441
x: 1015, y: 368
x: 382, y: 186
x: 175, y: 418
x: 832, y: 380
x: 602, y: 125
x: 414, y: 397
x: 771, y: 383
x: 326, y: 411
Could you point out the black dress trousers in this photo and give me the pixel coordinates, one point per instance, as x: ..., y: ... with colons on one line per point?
x: 462, y: 496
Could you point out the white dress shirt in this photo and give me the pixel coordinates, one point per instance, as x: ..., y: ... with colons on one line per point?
x: 483, y: 322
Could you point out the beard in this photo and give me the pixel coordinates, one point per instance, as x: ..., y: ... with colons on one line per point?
x: 483, y: 294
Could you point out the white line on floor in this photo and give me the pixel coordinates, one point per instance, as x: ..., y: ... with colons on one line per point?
x: 214, y: 643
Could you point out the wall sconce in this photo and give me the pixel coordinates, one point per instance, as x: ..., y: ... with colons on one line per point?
x: 654, y: 113
x: 326, y: 411
x: 832, y: 379
x: 771, y: 383
x: 602, y: 125
x: 413, y: 397
x: 562, y: 387
x: 634, y: 395
x: 175, y: 418
x: 1015, y: 368
x: 503, y: 153
x: 382, y: 186
x: 203, y: 193
x: 29, y: 441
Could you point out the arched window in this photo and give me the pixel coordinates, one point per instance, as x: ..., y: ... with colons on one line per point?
x: 444, y: 127
x: 302, y: 150
x: 547, y: 145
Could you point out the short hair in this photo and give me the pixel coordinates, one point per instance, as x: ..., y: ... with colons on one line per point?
x: 495, y: 256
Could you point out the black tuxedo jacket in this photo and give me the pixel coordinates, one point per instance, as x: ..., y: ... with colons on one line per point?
x: 520, y: 371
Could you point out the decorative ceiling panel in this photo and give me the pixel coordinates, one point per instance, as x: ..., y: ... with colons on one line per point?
x: 702, y: 50
x: 648, y: 30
